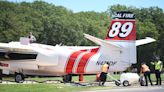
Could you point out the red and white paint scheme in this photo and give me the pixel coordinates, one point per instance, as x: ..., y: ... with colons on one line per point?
x: 118, y: 48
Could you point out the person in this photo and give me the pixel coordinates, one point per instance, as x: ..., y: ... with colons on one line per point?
x: 146, y: 71
x: 31, y: 37
x: 158, y: 69
x: 103, y: 75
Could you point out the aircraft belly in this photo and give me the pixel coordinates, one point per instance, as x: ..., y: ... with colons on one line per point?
x: 42, y: 73
x: 22, y: 65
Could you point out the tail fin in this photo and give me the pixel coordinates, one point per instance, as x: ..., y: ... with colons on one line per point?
x: 122, y: 27
x: 122, y: 32
x: 119, y: 44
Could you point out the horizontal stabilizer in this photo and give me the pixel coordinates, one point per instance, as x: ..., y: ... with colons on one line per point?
x: 144, y: 41
x: 100, y: 41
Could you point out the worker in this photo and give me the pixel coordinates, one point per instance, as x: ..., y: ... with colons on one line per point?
x: 103, y: 75
x: 31, y: 37
x: 158, y: 69
x: 146, y: 71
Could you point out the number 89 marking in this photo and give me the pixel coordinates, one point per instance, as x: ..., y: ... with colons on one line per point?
x: 125, y: 29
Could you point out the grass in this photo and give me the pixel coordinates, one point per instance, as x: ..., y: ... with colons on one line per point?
x: 45, y: 88
x: 37, y: 88
x: 87, y: 78
x: 55, y: 87
x: 61, y: 87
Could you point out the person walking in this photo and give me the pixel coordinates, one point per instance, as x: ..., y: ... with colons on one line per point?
x: 158, y: 69
x: 103, y: 75
x: 146, y: 71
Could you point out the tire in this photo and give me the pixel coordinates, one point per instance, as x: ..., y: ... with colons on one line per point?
x: 125, y: 83
x: 67, y: 78
x: 142, y: 82
x: 1, y: 76
x: 117, y: 83
x: 19, y: 78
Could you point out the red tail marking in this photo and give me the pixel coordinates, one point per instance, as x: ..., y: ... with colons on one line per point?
x: 83, y: 61
x: 123, y: 27
x: 71, y: 61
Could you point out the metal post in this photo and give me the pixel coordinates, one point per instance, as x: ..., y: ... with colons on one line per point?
x: 81, y: 77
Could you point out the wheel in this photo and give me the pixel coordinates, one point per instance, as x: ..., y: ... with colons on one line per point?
x: 67, y: 78
x: 19, y: 77
x: 142, y: 81
x: 1, y: 75
x: 125, y: 83
x: 117, y: 83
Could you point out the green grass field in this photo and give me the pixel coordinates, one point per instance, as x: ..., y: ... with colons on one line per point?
x: 89, y: 78
x: 55, y: 87
x: 45, y: 88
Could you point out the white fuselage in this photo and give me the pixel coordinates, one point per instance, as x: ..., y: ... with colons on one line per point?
x: 61, y: 60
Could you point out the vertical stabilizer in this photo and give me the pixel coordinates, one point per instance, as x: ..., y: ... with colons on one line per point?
x: 122, y: 32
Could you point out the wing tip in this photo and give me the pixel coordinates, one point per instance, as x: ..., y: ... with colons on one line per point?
x: 151, y: 39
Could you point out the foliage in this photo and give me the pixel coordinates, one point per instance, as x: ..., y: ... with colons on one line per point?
x: 53, y: 25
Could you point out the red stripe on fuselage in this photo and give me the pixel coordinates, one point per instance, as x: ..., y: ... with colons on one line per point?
x: 94, y: 50
x: 83, y: 61
x: 71, y: 61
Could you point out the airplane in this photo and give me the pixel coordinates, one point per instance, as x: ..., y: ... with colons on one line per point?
x: 118, y: 48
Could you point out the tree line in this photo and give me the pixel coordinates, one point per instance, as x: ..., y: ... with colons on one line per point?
x: 53, y: 25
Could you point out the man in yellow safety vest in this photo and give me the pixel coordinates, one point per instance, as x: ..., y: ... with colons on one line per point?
x: 158, y: 69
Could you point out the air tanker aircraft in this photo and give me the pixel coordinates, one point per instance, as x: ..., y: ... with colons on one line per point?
x: 118, y: 48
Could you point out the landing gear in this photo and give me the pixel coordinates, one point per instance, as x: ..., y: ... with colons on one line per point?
x: 142, y: 81
x: 0, y: 76
x: 67, y: 78
x: 19, y: 77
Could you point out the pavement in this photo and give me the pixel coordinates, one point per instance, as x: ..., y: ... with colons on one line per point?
x: 30, y: 82
x: 133, y: 88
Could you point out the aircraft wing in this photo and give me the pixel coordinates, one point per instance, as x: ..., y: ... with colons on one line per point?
x: 144, y: 41
x: 32, y: 48
x: 16, y: 47
x: 40, y: 49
